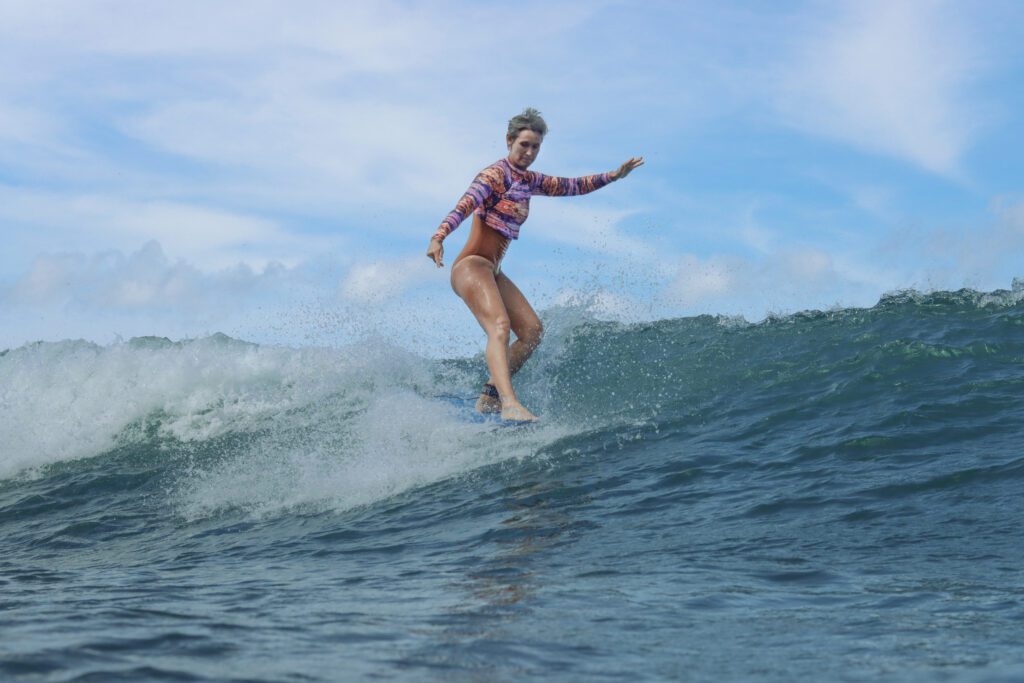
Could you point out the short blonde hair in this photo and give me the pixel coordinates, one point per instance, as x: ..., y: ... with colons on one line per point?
x: 529, y: 119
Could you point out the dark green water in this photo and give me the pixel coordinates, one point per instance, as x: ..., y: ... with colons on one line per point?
x: 825, y: 496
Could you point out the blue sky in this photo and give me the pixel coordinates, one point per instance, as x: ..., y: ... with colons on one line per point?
x: 274, y: 170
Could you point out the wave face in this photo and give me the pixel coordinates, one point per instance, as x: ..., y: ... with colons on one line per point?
x: 824, y: 496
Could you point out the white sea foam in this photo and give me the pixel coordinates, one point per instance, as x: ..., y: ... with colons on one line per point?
x: 331, y: 428
x: 69, y: 400
x: 387, y: 434
x: 400, y: 441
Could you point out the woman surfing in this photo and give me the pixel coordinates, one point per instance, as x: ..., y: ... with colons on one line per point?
x: 499, y: 199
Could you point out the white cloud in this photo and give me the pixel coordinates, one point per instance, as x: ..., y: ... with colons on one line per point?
x: 981, y: 252
x: 357, y: 32
x: 144, y: 279
x: 99, y: 295
x: 604, y: 304
x: 188, y: 228
x: 22, y: 125
x: 585, y: 223
x: 887, y: 77
x: 1010, y: 213
x: 386, y: 279
x: 272, y: 131
x: 331, y: 105
x: 990, y: 253
x: 699, y: 281
x: 210, y: 237
x: 807, y: 264
x: 301, y: 146
x: 801, y: 276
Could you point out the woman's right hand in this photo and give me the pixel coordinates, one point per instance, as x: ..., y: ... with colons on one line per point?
x: 436, y: 252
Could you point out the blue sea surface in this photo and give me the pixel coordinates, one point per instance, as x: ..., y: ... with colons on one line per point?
x: 826, y: 496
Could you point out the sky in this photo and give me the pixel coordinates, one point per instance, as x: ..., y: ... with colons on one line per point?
x: 274, y: 170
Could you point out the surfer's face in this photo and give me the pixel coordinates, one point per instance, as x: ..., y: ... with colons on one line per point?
x: 524, y: 149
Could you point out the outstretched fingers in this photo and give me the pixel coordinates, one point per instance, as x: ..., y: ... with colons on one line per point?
x: 628, y: 167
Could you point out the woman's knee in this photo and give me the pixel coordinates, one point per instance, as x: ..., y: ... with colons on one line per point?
x: 531, y: 334
x: 500, y: 327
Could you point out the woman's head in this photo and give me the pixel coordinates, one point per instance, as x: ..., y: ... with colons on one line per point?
x: 525, y: 133
x: 530, y: 119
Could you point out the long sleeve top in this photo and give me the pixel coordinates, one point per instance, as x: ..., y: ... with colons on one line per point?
x: 500, y: 195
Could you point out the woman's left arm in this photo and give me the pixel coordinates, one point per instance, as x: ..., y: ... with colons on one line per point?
x: 627, y: 168
x: 553, y: 186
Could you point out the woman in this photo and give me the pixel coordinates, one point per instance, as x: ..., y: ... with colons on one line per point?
x: 499, y: 199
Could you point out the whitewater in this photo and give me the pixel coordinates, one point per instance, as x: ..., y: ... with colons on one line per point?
x: 829, y: 495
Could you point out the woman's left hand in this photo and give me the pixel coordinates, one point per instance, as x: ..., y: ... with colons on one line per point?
x: 627, y: 168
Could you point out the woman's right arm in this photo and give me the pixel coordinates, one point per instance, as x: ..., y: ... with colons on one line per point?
x: 483, y: 186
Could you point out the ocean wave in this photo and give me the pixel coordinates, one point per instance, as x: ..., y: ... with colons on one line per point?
x: 265, y: 428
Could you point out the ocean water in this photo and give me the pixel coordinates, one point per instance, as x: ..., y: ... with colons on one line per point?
x: 824, y: 496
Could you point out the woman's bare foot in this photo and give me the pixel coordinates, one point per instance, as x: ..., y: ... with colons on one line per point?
x: 517, y: 412
x: 488, y: 404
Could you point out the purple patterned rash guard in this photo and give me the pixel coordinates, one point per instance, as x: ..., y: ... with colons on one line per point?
x: 500, y: 195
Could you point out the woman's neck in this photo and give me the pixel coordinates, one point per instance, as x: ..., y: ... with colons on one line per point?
x: 513, y: 165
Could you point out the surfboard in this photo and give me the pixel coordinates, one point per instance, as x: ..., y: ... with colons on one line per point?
x: 465, y: 409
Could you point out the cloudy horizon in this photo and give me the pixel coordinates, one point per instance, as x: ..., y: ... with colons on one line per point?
x: 274, y: 171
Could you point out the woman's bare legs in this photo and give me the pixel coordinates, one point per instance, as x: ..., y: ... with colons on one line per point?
x: 527, y: 328
x: 474, y: 280
x: 524, y: 321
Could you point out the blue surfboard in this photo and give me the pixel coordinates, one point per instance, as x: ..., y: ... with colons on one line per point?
x: 465, y: 408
